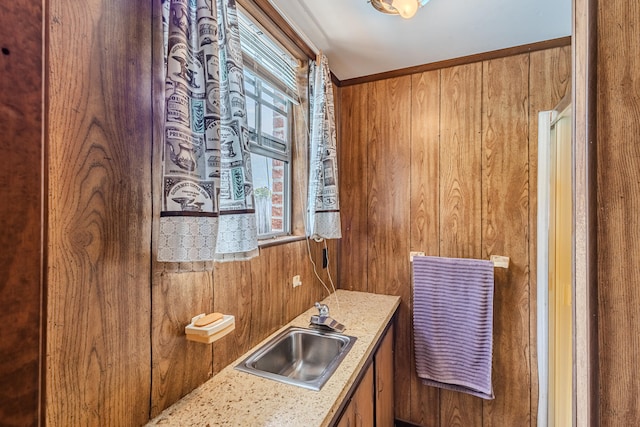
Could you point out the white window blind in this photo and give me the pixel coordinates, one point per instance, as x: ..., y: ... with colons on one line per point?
x: 267, y: 58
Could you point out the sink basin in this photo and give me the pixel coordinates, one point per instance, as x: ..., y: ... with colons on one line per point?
x: 299, y: 356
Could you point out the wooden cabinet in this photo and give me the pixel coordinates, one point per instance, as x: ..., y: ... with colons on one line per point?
x: 360, y: 410
x: 383, y: 362
x: 372, y: 401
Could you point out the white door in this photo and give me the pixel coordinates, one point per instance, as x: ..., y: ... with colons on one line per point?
x: 555, y: 269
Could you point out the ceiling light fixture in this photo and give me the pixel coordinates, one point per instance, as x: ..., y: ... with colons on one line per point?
x: 404, y: 8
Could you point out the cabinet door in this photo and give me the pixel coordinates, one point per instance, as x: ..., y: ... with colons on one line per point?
x: 359, y: 411
x: 384, y: 381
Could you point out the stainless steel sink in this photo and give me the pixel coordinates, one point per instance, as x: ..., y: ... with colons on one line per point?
x: 299, y: 356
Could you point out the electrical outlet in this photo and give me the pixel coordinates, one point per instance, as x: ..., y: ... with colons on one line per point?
x: 296, y: 281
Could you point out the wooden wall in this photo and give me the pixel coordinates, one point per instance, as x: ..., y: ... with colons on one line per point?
x: 445, y: 162
x: 258, y: 292
x: 618, y: 223
x: 116, y: 352
x: 20, y: 210
x: 98, y: 365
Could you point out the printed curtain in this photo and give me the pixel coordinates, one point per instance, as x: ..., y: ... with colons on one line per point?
x: 207, y: 208
x: 323, y: 203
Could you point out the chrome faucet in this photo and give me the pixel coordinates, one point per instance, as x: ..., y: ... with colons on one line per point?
x: 324, y: 321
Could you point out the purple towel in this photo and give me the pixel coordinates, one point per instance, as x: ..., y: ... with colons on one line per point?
x: 453, y: 323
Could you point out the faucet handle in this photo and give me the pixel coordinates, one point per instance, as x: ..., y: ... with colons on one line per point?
x: 323, y: 309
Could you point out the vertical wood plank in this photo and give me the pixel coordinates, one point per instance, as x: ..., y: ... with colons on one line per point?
x: 353, y: 185
x: 460, y: 198
x: 178, y: 365
x: 505, y: 133
x: 618, y: 225
x: 389, y: 169
x: 266, y: 293
x: 460, y: 162
x: 298, y: 299
x: 100, y: 129
x: 21, y: 222
x: 549, y: 82
x: 425, y: 162
x: 425, y: 215
x: 233, y: 295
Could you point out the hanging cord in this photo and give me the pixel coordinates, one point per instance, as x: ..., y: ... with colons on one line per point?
x: 326, y: 248
x: 307, y: 239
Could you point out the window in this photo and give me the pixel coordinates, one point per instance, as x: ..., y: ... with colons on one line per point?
x: 269, y: 74
x: 268, y: 115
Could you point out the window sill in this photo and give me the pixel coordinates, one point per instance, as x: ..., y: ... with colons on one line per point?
x: 280, y: 240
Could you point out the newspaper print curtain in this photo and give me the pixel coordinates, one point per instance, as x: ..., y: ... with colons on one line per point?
x: 324, y: 208
x: 207, y: 208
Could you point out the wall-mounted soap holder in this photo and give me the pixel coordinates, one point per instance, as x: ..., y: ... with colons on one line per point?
x: 201, y: 331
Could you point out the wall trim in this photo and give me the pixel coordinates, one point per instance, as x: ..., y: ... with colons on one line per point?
x: 584, y: 68
x: 500, y: 53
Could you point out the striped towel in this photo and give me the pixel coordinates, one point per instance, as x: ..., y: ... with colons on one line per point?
x: 453, y: 323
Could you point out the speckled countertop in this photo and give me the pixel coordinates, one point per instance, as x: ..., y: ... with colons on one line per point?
x: 234, y: 398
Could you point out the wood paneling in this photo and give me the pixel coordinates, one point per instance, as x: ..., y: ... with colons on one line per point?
x: 259, y: 293
x: 298, y: 261
x: 99, y: 237
x: 20, y: 210
x: 460, y: 198
x: 469, y: 195
x: 267, y: 283
x: 178, y: 366
x: 460, y: 159
x: 425, y: 214
x: 505, y: 225
x: 389, y: 168
x: 425, y: 162
x: 232, y: 295
x: 353, y: 148
x: 618, y: 190
x: 115, y: 351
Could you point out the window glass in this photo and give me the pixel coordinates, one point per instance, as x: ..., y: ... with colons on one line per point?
x: 269, y: 185
x: 269, y: 110
x: 274, y: 123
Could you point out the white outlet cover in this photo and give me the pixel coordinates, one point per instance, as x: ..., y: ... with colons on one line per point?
x: 296, y: 281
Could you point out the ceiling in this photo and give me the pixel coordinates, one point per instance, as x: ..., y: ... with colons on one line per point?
x: 359, y: 41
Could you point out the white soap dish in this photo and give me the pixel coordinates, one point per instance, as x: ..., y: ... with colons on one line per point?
x: 211, y: 332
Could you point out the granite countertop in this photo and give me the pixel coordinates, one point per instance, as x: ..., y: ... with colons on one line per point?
x: 234, y: 398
